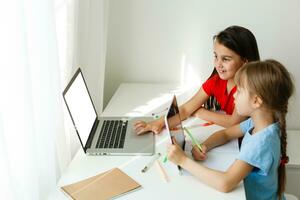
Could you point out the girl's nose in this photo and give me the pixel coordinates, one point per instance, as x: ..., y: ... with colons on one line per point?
x: 218, y: 64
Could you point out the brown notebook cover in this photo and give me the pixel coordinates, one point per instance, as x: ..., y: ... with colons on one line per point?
x: 103, y: 186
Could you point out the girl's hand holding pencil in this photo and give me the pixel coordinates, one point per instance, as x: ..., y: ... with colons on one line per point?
x: 198, y: 150
x: 197, y: 154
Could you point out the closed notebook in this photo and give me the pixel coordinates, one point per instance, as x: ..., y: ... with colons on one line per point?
x: 106, y: 185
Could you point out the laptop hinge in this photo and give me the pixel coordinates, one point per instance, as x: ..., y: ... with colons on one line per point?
x: 91, y: 136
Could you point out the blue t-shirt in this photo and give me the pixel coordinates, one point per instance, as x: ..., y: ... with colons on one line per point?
x: 262, y: 151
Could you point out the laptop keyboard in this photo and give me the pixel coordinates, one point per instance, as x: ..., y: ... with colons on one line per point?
x: 112, y: 134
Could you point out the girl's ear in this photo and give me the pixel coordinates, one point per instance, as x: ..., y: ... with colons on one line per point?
x: 257, y: 101
x: 244, y: 61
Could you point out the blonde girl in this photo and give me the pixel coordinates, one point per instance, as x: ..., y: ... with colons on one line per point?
x: 263, y: 91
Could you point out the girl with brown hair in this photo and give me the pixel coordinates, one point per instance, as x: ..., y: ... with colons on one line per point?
x: 263, y: 91
x: 233, y: 47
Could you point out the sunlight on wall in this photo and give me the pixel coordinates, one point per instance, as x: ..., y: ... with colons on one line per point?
x: 158, y: 104
x: 189, y: 77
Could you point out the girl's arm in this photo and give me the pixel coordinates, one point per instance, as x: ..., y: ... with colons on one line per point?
x: 222, y: 181
x: 218, y: 138
x: 185, y: 111
x: 188, y: 108
x: 223, y: 136
x: 219, y: 118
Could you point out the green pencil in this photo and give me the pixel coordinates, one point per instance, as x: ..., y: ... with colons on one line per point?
x: 193, y: 139
x: 165, y: 159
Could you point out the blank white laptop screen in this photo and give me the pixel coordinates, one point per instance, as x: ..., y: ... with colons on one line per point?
x: 81, y: 108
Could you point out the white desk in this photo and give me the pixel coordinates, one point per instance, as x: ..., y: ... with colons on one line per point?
x: 293, y: 139
x: 144, y: 99
x: 293, y: 167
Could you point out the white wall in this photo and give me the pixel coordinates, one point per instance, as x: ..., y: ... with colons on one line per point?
x: 90, y: 48
x: 92, y: 30
x: 153, y: 40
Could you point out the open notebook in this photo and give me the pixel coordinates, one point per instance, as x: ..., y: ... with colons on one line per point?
x: 106, y: 185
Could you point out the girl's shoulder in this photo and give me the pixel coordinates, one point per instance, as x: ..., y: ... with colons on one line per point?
x: 215, y: 80
x: 218, y: 81
x: 266, y: 141
x: 215, y: 77
x: 246, y: 125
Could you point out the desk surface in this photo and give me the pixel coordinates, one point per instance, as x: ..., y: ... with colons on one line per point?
x: 293, y: 138
x: 144, y: 99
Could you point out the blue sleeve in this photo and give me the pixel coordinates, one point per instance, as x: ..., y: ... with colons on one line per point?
x: 246, y: 125
x: 257, y: 155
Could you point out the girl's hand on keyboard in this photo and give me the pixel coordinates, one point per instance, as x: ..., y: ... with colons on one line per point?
x: 155, y: 126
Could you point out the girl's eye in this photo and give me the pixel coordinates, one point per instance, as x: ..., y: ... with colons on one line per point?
x: 226, y: 59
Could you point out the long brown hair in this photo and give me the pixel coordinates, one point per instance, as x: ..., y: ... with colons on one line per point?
x: 271, y: 81
x: 242, y: 42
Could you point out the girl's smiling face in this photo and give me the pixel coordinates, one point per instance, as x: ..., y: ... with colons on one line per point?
x: 226, y: 61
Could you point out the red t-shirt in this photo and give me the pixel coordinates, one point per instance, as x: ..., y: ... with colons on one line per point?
x: 218, y: 88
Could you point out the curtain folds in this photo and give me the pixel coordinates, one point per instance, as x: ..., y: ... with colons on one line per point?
x: 37, y: 42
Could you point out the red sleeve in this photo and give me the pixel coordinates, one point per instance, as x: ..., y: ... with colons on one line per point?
x: 209, y: 85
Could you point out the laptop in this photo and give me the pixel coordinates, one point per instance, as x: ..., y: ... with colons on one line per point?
x: 174, y: 126
x: 103, y: 135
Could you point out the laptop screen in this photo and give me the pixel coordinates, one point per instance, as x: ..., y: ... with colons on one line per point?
x: 80, y: 106
x: 173, y: 123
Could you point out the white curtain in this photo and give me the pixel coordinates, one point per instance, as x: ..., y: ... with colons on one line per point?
x: 36, y: 55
